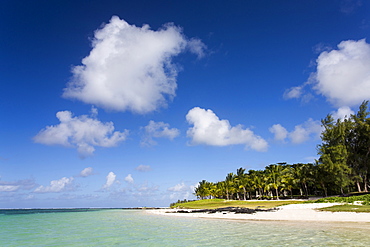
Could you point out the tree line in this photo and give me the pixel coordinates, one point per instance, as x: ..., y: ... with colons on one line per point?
x: 343, y: 167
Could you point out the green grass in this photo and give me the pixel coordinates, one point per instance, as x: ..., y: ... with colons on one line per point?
x: 221, y: 203
x: 348, y: 208
x: 364, y: 198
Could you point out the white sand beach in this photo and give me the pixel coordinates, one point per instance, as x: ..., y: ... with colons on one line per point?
x: 292, y: 212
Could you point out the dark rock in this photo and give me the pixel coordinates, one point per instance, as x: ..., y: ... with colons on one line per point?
x: 235, y: 210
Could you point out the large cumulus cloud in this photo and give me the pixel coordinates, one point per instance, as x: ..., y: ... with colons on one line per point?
x: 342, y: 75
x: 130, y: 68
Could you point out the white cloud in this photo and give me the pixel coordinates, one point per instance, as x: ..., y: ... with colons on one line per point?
x: 303, y: 132
x: 320, y: 47
x: 143, y: 168
x: 311, y: 159
x: 130, y: 68
x: 343, y: 75
x: 80, y: 132
x: 144, y: 191
x: 25, y: 184
x: 181, y: 191
x: 293, y: 92
x: 56, y: 185
x: 111, y: 177
x: 343, y: 113
x: 86, y: 172
x: 197, y: 47
x: 158, y: 130
x: 299, y: 134
x: 9, y: 188
x: 208, y: 129
x: 349, y: 6
x: 94, y: 111
x: 279, y: 131
x: 178, y: 187
x: 29, y: 197
x: 129, y: 179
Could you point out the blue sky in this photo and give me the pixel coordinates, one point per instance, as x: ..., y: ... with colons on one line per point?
x: 132, y: 103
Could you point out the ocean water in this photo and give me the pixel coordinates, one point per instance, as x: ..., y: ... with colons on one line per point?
x: 136, y: 228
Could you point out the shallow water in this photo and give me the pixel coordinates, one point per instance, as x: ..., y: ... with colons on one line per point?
x: 137, y: 228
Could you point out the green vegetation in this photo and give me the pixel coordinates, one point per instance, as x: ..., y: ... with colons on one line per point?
x: 344, y: 153
x: 365, y: 199
x: 348, y: 208
x: 221, y: 203
x: 266, y: 204
x: 277, y: 181
x: 343, y: 167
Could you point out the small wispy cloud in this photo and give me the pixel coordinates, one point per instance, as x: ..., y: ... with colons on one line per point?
x: 310, y: 129
x: 350, y: 6
x: 158, y: 130
x: 181, y: 191
x: 56, y: 186
x: 178, y: 187
x: 279, y: 131
x: 129, y: 179
x: 88, y: 171
x: 25, y: 184
x: 110, y: 179
x: 143, y: 168
x: 293, y: 92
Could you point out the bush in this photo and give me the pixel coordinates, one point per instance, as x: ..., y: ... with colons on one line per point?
x: 179, y: 202
x: 350, y: 199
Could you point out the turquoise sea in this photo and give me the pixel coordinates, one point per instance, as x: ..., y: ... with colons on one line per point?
x: 117, y: 227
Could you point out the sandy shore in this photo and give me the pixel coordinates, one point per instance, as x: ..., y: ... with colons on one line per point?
x: 292, y: 212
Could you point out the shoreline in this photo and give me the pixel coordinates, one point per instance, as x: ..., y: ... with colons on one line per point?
x: 292, y: 212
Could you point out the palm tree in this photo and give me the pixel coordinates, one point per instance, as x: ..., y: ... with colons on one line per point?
x: 221, y: 189
x: 288, y: 179
x: 303, y: 174
x: 213, y: 192
x: 203, y: 190
x: 229, y: 182
x: 257, y: 181
x: 275, y: 175
x: 240, y: 181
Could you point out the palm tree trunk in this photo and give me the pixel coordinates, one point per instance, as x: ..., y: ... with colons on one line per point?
x: 325, y: 191
x: 245, y: 194
x: 358, y: 186
x: 365, y: 183
x: 306, y: 189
